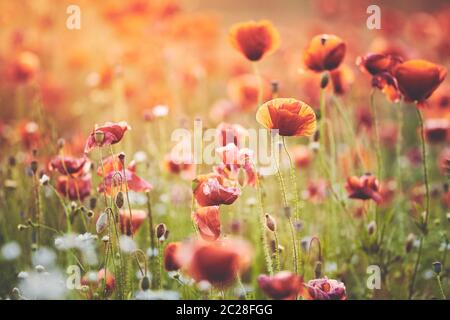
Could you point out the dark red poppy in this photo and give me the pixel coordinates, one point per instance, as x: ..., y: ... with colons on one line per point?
x: 108, y: 134
x: 74, y: 188
x: 207, y: 219
x: 284, y: 285
x: 363, y: 188
x: 213, y: 190
x: 68, y: 165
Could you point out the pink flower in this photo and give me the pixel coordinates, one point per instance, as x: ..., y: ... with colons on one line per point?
x: 325, y: 289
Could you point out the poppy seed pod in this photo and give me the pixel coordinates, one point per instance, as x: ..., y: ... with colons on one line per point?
x: 160, y: 230
x: 270, y: 223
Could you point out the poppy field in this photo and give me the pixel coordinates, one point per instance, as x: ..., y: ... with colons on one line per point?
x: 222, y: 150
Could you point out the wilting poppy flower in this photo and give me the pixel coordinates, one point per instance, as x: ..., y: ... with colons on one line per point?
x: 363, y: 188
x: 67, y: 165
x: 108, y: 134
x: 417, y: 79
x: 74, y: 188
x: 254, y: 39
x: 284, y: 285
x: 217, y: 262
x: 212, y: 190
x: 290, y: 116
x: 437, y: 130
x: 170, y: 256
x: 208, y: 222
x: 325, y: 52
x: 325, y: 289
x: 129, y: 224
x: 243, y: 90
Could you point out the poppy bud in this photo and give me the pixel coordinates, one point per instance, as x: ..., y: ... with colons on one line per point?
x: 102, y: 222
x: 409, y: 242
x: 60, y: 143
x: 324, y: 81
x: 145, y: 283
x: 121, y: 157
x: 160, y: 230
x: 371, y: 227
x: 318, y: 270
x: 119, y: 200
x: 437, y: 267
x: 270, y: 223
x: 90, y: 214
x: 34, y: 166
x: 92, y: 203
x: 99, y: 137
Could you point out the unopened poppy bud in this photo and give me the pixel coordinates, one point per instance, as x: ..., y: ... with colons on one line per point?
x: 160, y: 230
x: 145, y: 283
x: 34, y: 166
x: 270, y: 223
x: 409, y: 242
x: 105, y: 239
x: 437, y: 267
x: 324, y: 81
x: 90, y: 214
x: 99, y: 137
x: 318, y: 270
x: 60, y: 143
x: 119, y: 200
x: 121, y: 157
x: 371, y: 227
x: 92, y: 203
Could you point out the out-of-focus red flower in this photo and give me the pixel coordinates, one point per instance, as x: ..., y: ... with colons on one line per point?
x: 170, y: 256
x: 29, y: 134
x: 387, y: 191
x: 437, y: 130
x: 25, y: 67
x: 109, y: 281
x: 363, y: 188
x: 342, y: 78
x: 325, y: 289
x: 364, y: 118
x: 212, y: 190
x: 444, y: 161
x: 389, y: 134
x: 110, y: 164
x: 325, y: 52
x: 254, y: 39
x: 290, y: 116
x: 284, y: 285
x: 230, y: 133
x: 117, y: 179
x: 108, y: 134
x: 177, y: 165
x: 129, y: 224
x: 316, y: 191
x: 418, y: 79
x: 302, y: 156
x: 243, y: 91
x: 217, y: 262
x: 74, y: 188
x: 207, y: 220
x: 68, y: 165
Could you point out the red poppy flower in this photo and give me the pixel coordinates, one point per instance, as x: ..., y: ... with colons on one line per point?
x: 134, y: 182
x: 376, y: 63
x: 254, y: 39
x: 130, y: 224
x: 67, y: 165
x: 417, y: 79
x: 170, y: 256
x: 243, y: 90
x: 325, y: 52
x: 290, y: 116
x: 212, y: 190
x: 230, y: 133
x: 284, y: 285
x: 108, y: 134
x: 325, y: 289
x: 217, y: 262
x: 74, y: 188
x: 207, y: 220
x: 363, y: 188
x: 302, y: 156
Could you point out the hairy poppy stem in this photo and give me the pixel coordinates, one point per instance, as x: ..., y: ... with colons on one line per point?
x: 294, y: 181
x: 377, y: 134
x: 277, y: 252
x: 152, y: 238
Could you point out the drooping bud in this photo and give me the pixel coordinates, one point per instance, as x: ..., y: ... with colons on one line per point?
x: 92, y: 203
x: 145, y: 283
x: 121, y: 157
x: 160, y: 230
x: 119, y: 200
x: 270, y: 223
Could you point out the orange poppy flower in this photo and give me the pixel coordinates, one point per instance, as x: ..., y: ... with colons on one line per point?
x: 130, y: 224
x: 290, y: 116
x: 284, y: 285
x: 325, y: 52
x: 363, y: 188
x: 254, y: 39
x: 418, y: 79
x: 208, y: 222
